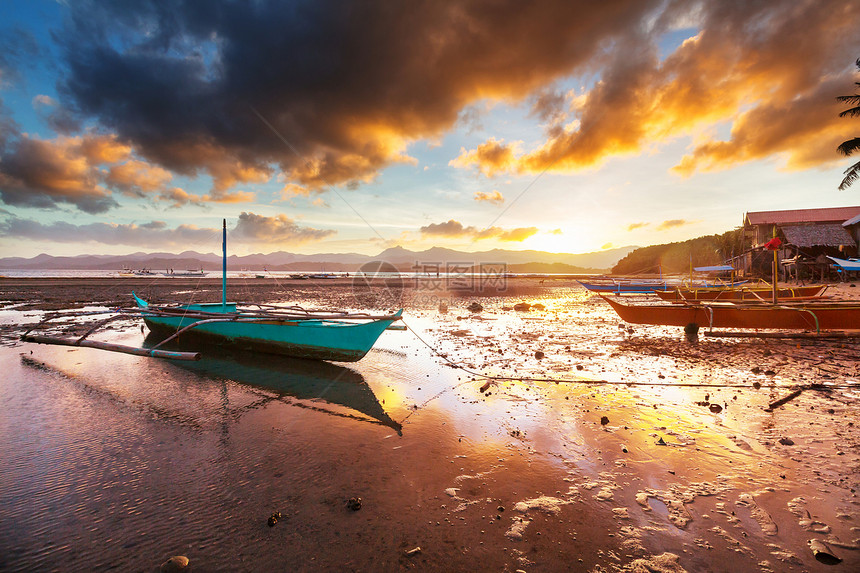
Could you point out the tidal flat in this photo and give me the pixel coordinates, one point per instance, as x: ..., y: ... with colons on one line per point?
x: 555, y: 438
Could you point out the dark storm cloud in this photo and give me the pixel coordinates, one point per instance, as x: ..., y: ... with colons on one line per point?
x: 348, y: 84
x: 17, y: 47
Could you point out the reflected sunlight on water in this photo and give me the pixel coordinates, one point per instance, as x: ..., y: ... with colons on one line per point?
x: 118, y: 461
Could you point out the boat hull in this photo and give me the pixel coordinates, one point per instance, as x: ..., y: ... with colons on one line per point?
x: 784, y: 293
x: 846, y: 264
x: 626, y: 288
x: 318, y: 339
x: 634, y: 287
x: 815, y: 317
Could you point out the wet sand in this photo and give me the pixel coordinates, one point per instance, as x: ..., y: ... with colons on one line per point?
x: 618, y: 448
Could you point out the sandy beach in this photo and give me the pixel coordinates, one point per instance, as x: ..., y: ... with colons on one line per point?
x: 550, y: 439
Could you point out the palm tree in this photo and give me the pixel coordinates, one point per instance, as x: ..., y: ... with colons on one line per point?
x: 852, y: 145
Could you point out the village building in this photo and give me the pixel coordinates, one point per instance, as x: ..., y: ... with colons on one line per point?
x: 807, y: 237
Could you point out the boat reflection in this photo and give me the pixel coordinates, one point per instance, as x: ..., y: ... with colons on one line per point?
x: 314, y: 382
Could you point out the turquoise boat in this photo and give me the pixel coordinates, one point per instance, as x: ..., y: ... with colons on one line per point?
x: 345, y: 339
x: 286, y: 331
x: 320, y: 335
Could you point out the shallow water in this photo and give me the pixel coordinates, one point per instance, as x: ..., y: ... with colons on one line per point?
x: 118, y: 462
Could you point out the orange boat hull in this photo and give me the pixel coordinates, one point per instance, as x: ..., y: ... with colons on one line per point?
x: 816, y: 317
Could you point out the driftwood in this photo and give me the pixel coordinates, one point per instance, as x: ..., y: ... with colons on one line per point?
x: 781, y: 401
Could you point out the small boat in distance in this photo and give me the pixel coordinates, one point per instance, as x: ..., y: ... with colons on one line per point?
x: 624, y: 286
x: 186, y: 273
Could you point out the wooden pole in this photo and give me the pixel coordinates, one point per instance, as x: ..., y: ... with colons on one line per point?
x: 224, y: 268
x: 836, y: 334
x: 39, y: 339
x: 775, y: 266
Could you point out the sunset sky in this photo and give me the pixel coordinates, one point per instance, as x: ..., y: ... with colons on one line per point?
x: 327, y: 126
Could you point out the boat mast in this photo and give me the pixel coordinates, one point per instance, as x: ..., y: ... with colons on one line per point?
x: 775, y: 269
x: 224, y: 268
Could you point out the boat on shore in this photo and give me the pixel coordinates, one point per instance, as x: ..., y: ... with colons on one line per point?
x: 846, y: 264
x: 287, y: 331
x: 627, y: 286
x: 292, y: 331
x: 811, y: 316
x: 623, y: 286
x: 752, y: 293
x: 323, y: 335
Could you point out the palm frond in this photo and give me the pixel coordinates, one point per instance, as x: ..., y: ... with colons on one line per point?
x: 851, y: 175
x: 849, y: 147
x: 852, y: 99
x: 850, y: 112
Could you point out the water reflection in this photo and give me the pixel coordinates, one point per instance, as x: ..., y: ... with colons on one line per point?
x: 313, y: 381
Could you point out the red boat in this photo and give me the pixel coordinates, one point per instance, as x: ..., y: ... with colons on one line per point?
x: 759, y: 293
x: 815, y: 316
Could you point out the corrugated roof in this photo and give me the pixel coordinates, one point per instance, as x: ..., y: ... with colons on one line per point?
x: 851, y: 221
x: 829, y: 215
x: 829, y: 235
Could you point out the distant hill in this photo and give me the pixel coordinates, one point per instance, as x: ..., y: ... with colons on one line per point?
x: 674, y: 258
x: 403, y: 259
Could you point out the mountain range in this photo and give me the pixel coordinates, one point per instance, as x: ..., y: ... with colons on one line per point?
x: 403, y: 259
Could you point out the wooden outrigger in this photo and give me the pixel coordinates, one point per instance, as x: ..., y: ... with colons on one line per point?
x: 750, y: 293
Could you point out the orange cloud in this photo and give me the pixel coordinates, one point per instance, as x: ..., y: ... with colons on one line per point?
x: 735, y: 69
x: 137, y: 178
x: 229, y: 197
x: 634, y: 226
x: 44, y: 173
x: 495, y: 197
x: 805, y: 131
x: 179, y: 197
x: 671, y: 224
x: 104, y: 149
x: 455, y: 229
x: 277, y: 229
x: 490, y: 157
x: 450, y: 228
